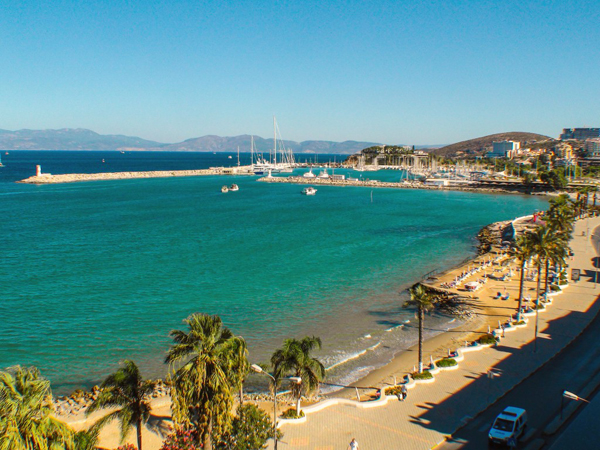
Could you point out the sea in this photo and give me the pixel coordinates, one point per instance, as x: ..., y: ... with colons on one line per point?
x: 97, y: 272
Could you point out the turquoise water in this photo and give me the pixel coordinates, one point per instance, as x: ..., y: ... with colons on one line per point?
x: 93, y: 273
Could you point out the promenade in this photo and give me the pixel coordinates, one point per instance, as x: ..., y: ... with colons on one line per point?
x: 434, y: 411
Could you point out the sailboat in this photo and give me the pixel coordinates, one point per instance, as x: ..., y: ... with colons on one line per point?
x: 280, y: 158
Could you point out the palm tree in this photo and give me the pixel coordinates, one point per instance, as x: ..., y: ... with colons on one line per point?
x: 427, y: 300
x: 561, y: 215
x: 522, y: 249
x: 295, y: 359
x: 546, y: 245
x: 240, y: 365
x: 203, y: 386
x: 129, y: 392
x: 26, y: 421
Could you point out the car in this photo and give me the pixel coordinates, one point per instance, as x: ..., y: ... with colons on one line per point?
x: 508, y: 427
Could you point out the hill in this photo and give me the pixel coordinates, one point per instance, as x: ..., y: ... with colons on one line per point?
x: 480, y: 146
x: 82, y: 139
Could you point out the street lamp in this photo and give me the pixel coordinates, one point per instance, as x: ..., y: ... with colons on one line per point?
x: 256, y: 368
x: 570, y: 396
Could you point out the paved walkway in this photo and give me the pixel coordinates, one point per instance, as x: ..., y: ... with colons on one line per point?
x: 434, y: 411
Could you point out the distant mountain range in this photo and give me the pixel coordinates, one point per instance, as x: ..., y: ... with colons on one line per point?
x: 82, y: 139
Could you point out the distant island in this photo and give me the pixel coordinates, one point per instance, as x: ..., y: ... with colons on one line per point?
x: 83, y: 139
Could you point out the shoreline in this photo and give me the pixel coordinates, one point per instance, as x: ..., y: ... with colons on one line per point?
x: 374, y: 377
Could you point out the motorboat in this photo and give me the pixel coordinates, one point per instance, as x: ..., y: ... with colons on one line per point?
x: 224, y: 189
x: 234, y: 187
x: 309, y: 191
x: 323, y: 174
x: 309, y: 174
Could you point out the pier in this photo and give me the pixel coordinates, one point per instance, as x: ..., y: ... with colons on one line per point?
x: 46, y: 178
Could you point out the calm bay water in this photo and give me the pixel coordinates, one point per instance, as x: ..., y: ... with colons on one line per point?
x: 93, y: 273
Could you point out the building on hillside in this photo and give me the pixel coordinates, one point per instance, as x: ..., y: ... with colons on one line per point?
x: 563, y: 150
x: 504, y: 149
x: 580, y: 134
x: 592, y: 147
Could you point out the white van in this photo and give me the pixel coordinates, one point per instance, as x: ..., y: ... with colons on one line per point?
x: 508, y: 426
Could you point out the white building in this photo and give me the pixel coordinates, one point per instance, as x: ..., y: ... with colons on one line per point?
x: 504, y: 149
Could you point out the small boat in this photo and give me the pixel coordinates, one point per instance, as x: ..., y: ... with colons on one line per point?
x: 309, y: 174
x: 229, y: 157
x: 234, y: 187
x: 103, y: 161
x: 323, y: 174
x: 224, y: 189
x: 309, y: 191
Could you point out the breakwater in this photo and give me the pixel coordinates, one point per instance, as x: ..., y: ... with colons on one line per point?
x: 413, y: 184
x: 46, y: 178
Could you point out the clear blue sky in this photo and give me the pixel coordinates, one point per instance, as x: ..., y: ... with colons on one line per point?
x: 386, y: 71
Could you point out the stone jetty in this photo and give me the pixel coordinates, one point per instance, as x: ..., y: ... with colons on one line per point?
x: 474, y: 187
x: 46, y: 178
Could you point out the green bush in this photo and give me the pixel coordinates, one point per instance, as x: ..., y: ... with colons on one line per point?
x: 250, y: 430
x: 446, y: 362
x: 425, y: 375
x: 554, y: 288
x: 291, y: 414
x: 394, y: 390
x: 540, y: 306
x: 521, y: 322
x: 487, y: 339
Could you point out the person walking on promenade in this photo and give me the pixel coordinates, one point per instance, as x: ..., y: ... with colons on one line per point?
x: 404, y: 392
x: 353, y: 445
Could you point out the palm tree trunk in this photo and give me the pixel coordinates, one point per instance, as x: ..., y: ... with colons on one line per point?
x: 521, y: 290
x: 537, y: 306
x: 208, y: 435
x: 139, y: 434
x: 421, y: 320
x: 241, y: 393
x: 298, y: 404
x: 547, y: 270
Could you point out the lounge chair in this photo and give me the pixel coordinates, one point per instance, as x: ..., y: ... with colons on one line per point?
x: 506, y: 297
x: 498, y: 295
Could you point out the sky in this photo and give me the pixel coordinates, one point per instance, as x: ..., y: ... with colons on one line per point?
x: 395, y: 72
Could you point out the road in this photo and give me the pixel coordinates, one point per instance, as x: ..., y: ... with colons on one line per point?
x: 541, y: 393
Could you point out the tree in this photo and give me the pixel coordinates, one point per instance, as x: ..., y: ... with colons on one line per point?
x: 522, y: 249
x: 26, y: 421
x: 427, y: 300
x: 250, y: 430
x: 295, y: 359
x: 203, y: 386
x: 129, y: 392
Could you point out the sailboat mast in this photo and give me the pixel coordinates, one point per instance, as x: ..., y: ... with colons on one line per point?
x: 238, y: 156
x: 275, y: 141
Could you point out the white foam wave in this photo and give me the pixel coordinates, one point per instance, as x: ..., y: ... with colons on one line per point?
x: 354, y: 356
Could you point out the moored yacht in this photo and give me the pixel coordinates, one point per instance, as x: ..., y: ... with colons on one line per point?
x: 234, y: 187
x: 309, y: 174
x: 224, y: 189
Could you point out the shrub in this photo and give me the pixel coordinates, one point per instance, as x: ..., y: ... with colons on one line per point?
x: 425, y: 375
x: 521, y: 322
x: 250, y: 430
x: 554, y: 288
x: 181, y: 439
x: 394, y: 390
x: 291, y: 414
x: 127, y: 447
x: 446, y: 362
x: 487, y: 339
